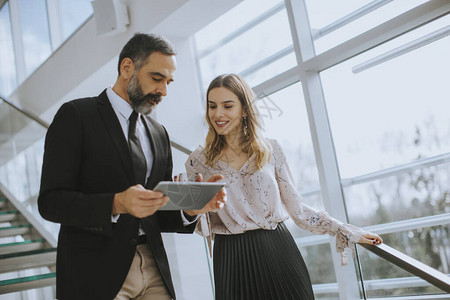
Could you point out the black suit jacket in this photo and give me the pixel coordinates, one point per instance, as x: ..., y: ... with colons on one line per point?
x: 87, y: 161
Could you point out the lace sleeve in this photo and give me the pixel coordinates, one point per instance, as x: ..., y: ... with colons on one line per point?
x: 308, y: 218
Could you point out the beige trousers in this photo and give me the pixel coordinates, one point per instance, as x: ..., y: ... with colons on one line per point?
x: 143, y: 282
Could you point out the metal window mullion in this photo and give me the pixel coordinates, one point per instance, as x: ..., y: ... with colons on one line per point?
x: 265, y: 62
x: 395, y: 283
x: 385, y: 228
x: 16, y: 28
x: 22, y: 111
x: 278, y: 82
x: 54, y: 23
x: 322, y: 139
x: 32, y: 219
x: 378, y: 35
x: 300, y: 30
x: 198, y: 69
x: 180, y: 148
x: 411, y: 224
x: 404, y: 49
x: 242, y: 29
x: 359, y: 13
x: 328, y: 175
x: 420, y: 163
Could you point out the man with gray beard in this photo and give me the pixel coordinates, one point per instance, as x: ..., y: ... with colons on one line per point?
x: 103, y: 156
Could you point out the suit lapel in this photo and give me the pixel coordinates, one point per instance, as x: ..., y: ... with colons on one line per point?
x: 116, y: 133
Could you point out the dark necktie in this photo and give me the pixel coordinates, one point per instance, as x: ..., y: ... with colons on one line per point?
x: 137, y: 155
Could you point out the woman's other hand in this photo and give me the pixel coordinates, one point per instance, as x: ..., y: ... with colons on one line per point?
x: 216, y: 203
x: 370, y: 238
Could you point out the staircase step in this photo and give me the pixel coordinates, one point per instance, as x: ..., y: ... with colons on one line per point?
x: 14, y: 230
x: 27, y: 260
x: 6, y: 216
x: 27, y: 245
x: 27, y: 283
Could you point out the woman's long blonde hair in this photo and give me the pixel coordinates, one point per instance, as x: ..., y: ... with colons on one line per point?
x: 251, y: 141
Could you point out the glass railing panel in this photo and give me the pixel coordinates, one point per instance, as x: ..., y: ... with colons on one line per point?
x: 21, y: 243
x: 21, y: 154
x: 317, y: 256
x: 190, y: 264
x: 8, y: 79
x: 429, y: 245
x: 19, y: 135
x: 26, y: 253
x: 417, y: 193
x: 321, y: 270
x: 281, y: 112
x: 41, y: 273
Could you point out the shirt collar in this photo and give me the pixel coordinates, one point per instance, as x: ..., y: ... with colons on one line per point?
x: 119, y: 104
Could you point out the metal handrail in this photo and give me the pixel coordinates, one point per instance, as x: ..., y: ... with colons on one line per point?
x: 411, y: 265
x: 46, y: 125
x: 385, y: 228
x: 25, y: 112
x: 181, y: 148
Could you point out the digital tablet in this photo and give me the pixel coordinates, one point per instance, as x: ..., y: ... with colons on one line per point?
x: 188, y: 195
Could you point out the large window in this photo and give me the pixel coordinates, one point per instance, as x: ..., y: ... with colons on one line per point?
x: 386, y: 105
x: 259, y: 50
x: 73, y: 14
x: 362, y: 119
x: 335, y: 22
x: 30, y: 30
x: 250, y: 33
x: 284, y: 118
x: 35, y: 33
x: 395, y: 111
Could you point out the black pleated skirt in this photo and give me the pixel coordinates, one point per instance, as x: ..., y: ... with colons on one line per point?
x: 260, y: 265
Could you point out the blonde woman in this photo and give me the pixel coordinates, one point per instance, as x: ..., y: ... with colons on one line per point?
x: 255, y: 256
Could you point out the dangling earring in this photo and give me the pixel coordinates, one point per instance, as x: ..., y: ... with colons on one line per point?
x: 245, y: 124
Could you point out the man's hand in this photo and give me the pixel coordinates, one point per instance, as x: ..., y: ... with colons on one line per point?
x: 217, y: 202
x: 138, y: 201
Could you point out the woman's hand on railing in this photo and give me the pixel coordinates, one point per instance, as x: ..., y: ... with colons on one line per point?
x: 370, y: 238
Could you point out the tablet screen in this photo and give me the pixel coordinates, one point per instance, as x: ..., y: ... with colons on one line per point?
x: 188, y: 195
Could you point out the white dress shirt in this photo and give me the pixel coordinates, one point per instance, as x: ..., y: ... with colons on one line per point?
x: 123, y: 111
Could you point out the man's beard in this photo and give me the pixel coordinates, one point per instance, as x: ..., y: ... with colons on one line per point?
x: 141, y: 103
